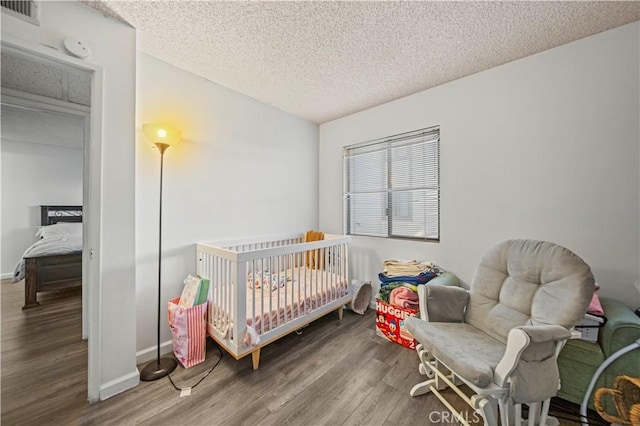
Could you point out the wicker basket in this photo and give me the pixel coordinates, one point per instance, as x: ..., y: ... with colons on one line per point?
x: 626, y: 396
x: 360, y: 296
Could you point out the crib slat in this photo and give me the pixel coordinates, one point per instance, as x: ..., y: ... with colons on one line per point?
x: 240, y: 293
x: 262, y: 317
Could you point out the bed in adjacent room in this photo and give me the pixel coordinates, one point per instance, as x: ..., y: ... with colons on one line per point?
x: 264, y: 289
x: 54, y: 262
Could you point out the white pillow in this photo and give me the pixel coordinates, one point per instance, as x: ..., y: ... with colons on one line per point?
x: 63, y: 229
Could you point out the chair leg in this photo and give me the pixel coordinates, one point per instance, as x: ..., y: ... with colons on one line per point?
x: 508, y: 412
x: 487, y: 408
x: 533, y: 413
x: 422, y: 388
x: 545, y: 420
x: 503, y: 409
x: 439, y: 383
x: 426, y: 367
x: 425, y: 371
x: 538, y: 414
x: 545, y: 412
x: 518, y: 415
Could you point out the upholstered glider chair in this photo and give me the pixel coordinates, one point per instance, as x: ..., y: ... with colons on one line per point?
x: 502, y: 337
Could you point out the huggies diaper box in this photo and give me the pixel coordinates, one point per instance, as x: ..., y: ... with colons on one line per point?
x: 390, y: 323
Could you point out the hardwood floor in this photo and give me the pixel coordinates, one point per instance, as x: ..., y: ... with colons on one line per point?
x: 334, y: 373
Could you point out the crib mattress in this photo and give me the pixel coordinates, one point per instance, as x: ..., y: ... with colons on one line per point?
x: 268, y: 307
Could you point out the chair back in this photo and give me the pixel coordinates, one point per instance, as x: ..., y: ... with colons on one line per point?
x: 528, y: 282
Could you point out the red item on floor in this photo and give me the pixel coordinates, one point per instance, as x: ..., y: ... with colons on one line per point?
x: 390, y: 323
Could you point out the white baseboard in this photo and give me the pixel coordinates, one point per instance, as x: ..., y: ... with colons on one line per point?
x: 119, y: 385
x: 131, y: 380
x: 149, y: 353
x: 6, y: 276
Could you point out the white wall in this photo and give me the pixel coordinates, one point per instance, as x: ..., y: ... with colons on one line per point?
x: 34, y: 175
x: 113, y: 49
x: 243, y: 169
x: 546, y: 147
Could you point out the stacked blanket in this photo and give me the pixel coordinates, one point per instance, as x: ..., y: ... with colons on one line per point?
x: 399, y: 281
x: 397, y: 268
x: 399, y: 294
x: 411, y: 271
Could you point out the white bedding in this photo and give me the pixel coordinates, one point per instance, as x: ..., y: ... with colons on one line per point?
x: 59, y: 244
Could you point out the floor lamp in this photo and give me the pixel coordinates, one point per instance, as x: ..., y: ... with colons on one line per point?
x: 163, y: 137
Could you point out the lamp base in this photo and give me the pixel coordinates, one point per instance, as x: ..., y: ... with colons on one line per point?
x: 157, y: 369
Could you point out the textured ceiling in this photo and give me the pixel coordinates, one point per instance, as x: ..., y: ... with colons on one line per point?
x: 325, y: 60
x: 45, y: 78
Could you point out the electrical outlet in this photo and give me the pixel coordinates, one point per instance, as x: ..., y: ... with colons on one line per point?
x: 77, y: 47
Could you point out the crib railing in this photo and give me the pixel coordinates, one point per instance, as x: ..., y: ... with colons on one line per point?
x: 289, y: 281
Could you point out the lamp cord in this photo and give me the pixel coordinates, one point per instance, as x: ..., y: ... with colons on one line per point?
x: 201, y: 378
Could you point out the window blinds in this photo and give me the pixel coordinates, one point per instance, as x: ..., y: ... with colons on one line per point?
x: 392, y: 186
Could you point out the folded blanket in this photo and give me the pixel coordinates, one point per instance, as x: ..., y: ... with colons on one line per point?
x: 395, y: 268
x: 404, y: 297
x: 385, y: 291
x: 314, y: 258
x: 415, y: 279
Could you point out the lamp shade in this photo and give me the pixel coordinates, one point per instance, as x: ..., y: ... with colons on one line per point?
x: 161, y: 133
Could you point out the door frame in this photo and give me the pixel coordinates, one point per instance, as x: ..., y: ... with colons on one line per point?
x: 32, y: 102
x: 92, y: 199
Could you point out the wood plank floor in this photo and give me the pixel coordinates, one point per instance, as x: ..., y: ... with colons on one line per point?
x: 334, y: 373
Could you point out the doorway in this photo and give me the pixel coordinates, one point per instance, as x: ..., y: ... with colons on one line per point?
x: 80, y: 82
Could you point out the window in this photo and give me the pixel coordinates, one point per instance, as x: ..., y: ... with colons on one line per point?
x: 392, y: 186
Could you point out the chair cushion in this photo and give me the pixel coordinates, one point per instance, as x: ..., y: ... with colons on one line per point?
x: 527, y: 282
x: 461, y: 347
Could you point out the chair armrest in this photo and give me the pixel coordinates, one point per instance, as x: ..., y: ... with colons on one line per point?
x: 621, y: 329
x: 441, y: 303
x: 546, y: 333
x: 519, y: 339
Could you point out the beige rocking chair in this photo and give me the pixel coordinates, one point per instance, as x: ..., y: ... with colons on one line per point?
x: 502, y: 337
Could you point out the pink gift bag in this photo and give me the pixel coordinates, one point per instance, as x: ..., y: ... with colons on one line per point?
x: 188, y: 332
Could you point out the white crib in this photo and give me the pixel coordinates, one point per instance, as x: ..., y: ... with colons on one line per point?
x: 263, y: 289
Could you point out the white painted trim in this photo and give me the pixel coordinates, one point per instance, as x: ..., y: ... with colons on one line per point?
x: 38, y: 143
x: 30, y: 49
x: 86, y: 240
x: 92, y: 238
x: 92, y: 243
x: 149, y: 353
x: 6, y: 276
x: 119, y: 385
x: 63, y: 107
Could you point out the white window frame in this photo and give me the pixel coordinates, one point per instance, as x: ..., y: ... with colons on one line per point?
x: 390, y: 210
